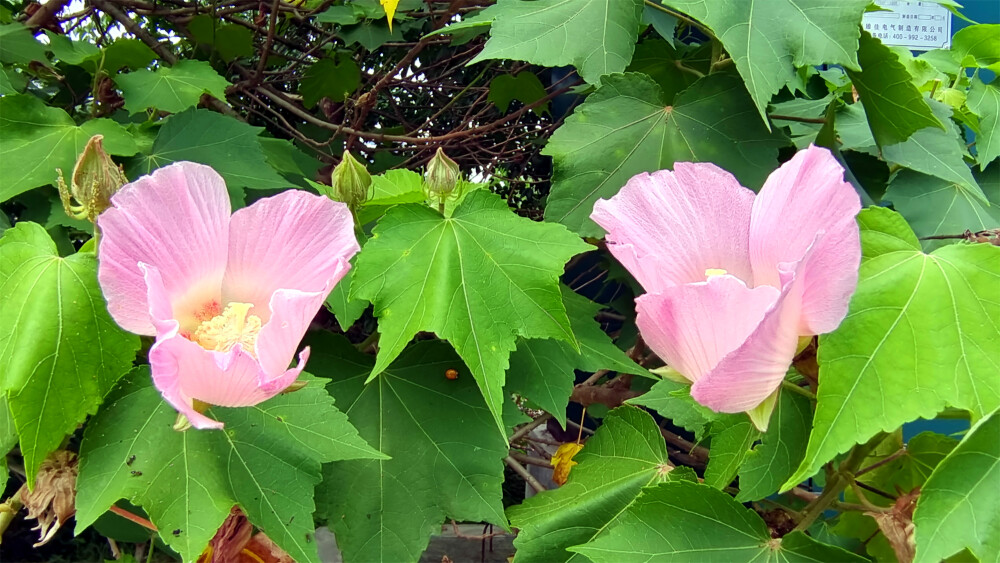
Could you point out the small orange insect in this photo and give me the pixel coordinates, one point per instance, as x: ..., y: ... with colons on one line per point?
x: 451, y: 374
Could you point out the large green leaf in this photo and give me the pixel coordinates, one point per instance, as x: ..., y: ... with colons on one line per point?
x: 934, y: 206
x: 479, y: 279
x: 895, y: 107
x: 768, y: 40
x: 524, y: 87
x: 626, y: 127
x: 919, y: 336
x: 18, y: 45
x: 937, y: 151
x: 978, y: 46
x: 684, y: 521
x: 60, y: 350
x: 231, y: 41
x: 446, y: 452
x: 549, y: 33
x: 171, y: 89
x: 266, y: 461
x: 625, y: 455
x: 36, y: 139
x: 731, y: 443
x: 780, y: 450
x: 544, y: 370
x: 335, y: 79
x: 229, y: 146
x: 958, y: 506
x: 984, y: 101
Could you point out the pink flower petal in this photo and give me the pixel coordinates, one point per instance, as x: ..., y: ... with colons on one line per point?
x: 291, y: 313
x: 750, y: 373
x: 294, y: 240
x: 667, y: 227
x: 693, y: 326
x: 807, y: 196
x: 176, y: 220
x: 183, y: 370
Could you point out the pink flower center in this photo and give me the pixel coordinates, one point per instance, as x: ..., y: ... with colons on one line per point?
x: 235, y: 325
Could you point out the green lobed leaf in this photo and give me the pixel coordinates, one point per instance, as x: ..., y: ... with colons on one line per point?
x: 229, y: 40
x: 341, y: 15
x: 627, y: 127
x: 767, y: 52
x: 549, y: 33
x: 978, y: 46
x: 335, y: 79
x: 18, y: 45
x: 685, y: 521
x: 229, y: 146
x: 266, y: 460
x: 895, y: 107
x: 129, y: 53
x: 624, y: 456
x: 933, y: 206
x: 664, y: 23
x: 659, y: 60
x: 780, y: 451
x: 345, y: 309
x: 478, y: 279
x: 937, y: 152
x: 672, y: 400
x: 730, y: 445
x: 918, y: 337
x: 60, y: 349
x: 544, y: 370
x: 68, y: 51
x: 171, y: 89
x: 958, y: 506
x: 446, y: 453
x: 524, y: 87
x: 984, y: 101
x: 41, y: 139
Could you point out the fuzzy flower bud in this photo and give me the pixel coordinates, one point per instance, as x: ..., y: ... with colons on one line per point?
x: 442, y: 175
x: 351, y: 182
x: 95, y: 179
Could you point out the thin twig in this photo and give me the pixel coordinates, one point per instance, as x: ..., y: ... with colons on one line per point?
x: 528, y: 477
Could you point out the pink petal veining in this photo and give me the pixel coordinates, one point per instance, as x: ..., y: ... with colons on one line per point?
x: 791, y: 257
x: 171, y: 256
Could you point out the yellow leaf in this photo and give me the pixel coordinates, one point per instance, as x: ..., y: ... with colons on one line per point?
x: 563, y: 462
x: 390, y: 10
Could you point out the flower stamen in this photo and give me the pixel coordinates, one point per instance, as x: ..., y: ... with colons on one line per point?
x: 712, y: 272
x: 234, y: 326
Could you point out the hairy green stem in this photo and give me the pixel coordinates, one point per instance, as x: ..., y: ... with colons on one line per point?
x: 796, y: 389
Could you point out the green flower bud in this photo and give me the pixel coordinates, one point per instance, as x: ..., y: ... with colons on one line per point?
x: 351, y: 182
x: 442, y: 175
x: 95, y: 179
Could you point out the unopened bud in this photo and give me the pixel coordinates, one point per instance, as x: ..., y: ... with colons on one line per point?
x: 442, y: 175
x: 95, y: 179
x: 351, y: 182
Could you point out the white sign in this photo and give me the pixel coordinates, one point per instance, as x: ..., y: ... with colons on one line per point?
x: 919, y: 26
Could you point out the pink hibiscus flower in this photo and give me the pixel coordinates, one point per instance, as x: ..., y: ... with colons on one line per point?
x: 228, y: 296
x: 732, y: 279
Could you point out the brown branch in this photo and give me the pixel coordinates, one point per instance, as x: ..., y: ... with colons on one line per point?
x: 607, y: 395
x: 528, y: 477
x: 271, y: 25
x: 43, y: 15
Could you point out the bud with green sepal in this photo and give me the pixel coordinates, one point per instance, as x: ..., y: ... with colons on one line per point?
x: 441, y: 180
x: 95, y: 179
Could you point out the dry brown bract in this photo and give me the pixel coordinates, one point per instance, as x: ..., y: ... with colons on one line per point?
x: 53, y: 501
